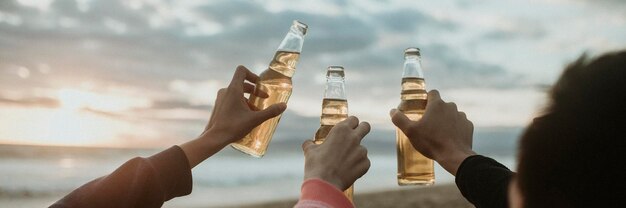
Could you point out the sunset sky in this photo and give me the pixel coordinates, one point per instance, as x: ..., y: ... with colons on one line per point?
x: 144, y: 73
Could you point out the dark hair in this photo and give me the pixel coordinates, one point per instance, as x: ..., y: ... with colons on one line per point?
x: 575, y: 154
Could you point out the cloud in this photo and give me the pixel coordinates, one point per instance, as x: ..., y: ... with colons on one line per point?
x: 513, y: 33
x: 197, y: 93
x: 251, y: 23
x: 293, y: 126
x: 154, y: 57
x: 607, y: 2
x: 31, y: 102
x: 450, y: 70
x: 444, y: 68
x: 169, y: 104
x: 177, y: 54
x: 408, y: 20
x: 9, y: 6
x: 249, y: 31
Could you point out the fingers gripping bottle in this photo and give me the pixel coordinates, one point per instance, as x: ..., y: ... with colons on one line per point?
x: 334, y: 108
x: 276, y: 82
x: 413, y: 167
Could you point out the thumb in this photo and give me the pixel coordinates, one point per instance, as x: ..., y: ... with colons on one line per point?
x: 399, y: 119
x: 270, y: 112
x: 307, y: 145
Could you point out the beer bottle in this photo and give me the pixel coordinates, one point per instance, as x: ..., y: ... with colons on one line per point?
x: 276, y: 82
x: 334, y: 108
x: 413, y: 167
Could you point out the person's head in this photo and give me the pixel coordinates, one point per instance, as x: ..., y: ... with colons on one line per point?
x: 574, y: 154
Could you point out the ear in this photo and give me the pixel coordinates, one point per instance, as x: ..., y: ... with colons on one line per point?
x: 515, y: 195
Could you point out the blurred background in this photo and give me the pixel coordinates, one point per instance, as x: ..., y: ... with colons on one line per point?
x: 87, y: 84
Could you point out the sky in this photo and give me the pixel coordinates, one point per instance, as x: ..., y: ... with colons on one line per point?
x: 144, y: 73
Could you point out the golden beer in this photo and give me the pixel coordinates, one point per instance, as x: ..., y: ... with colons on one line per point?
x: 276, y: 82
x: 413, y: 167
x: 333, y: 112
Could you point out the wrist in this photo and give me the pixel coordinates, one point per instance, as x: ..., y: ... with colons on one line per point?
x: 216, y: 137
x: 326, y: 178
x: 451, y: 161
x: 203, y: 147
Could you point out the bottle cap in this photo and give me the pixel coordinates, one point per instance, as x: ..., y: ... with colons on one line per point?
x: 412, y: 51
x: 300, y: 26
x: 335, y: 70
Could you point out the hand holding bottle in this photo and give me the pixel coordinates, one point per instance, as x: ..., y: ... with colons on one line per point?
x: 341, y: 159
x: 443, y: 134
x: 275, y: 80
x: 232, y: 118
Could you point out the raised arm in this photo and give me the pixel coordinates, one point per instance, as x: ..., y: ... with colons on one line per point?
x: 149, y: 182
x: 444, y: 134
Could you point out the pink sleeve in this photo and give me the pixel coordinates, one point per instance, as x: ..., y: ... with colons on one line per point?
x: 317, y: 193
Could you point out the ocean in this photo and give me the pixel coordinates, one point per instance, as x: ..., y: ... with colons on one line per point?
x: 36, y: 176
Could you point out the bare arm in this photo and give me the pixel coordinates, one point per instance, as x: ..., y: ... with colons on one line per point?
x: 149, y: 182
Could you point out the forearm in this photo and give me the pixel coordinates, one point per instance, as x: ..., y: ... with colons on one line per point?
x: 206, y: 145
x: 140, y: 182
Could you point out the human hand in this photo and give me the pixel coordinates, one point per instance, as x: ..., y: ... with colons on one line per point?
x: 443, y: 133
x: 341, y: 159
x: 232, y: 117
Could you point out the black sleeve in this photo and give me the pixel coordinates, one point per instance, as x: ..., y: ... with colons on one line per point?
x: 484, y: 182
x: 140, y: 182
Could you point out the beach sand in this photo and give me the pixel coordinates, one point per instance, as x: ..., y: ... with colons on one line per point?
x: 438, y: 196
x: 447, y: 196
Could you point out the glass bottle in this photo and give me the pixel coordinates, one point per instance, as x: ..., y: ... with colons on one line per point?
x: 334, y: 108
x: 276, y: 82
x: 413, y: 167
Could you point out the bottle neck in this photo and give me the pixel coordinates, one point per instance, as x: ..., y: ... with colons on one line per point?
x: 294, y: 39
x: 284, y: 63
x: 413, y: 67
x: 335, y: 88
x: 288, y: 51
x: 413, y: 85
